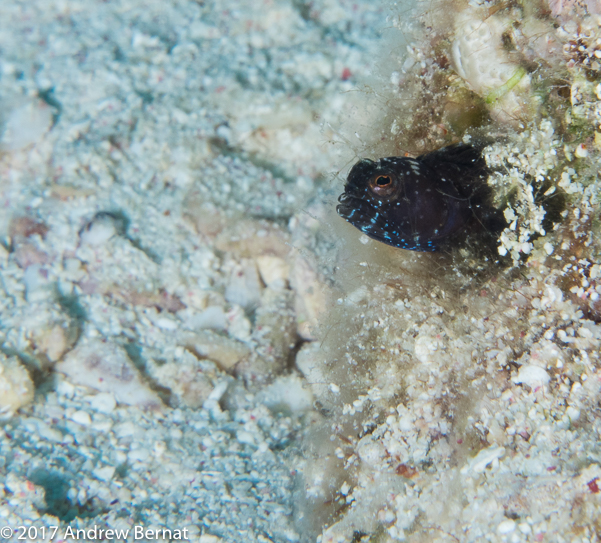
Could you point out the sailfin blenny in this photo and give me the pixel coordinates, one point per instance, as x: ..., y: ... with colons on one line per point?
x: 421, y: 204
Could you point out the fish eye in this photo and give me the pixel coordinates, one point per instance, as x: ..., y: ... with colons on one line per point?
x: 381, y: 185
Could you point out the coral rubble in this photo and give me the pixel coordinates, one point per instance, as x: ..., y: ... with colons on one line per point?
x: 462, y: 402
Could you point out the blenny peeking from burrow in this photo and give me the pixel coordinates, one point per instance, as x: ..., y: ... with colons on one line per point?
x: 428, y: 203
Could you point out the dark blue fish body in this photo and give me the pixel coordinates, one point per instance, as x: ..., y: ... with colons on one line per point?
x: 423, y: 203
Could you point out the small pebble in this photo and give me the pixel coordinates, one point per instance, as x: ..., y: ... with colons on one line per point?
x: 81, y: 417
x: 581, y: 151
x: 104, y: 474
x: 26, y: 125
x: 104, y: 402
x: 101, y: 228
x: 506, y: 527
x: 533, y: 376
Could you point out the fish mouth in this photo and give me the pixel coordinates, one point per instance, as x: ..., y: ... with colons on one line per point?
x: 347, y: 205
x: 354, y: 210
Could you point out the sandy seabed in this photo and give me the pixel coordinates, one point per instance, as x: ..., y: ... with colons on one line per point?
x: 152, y: 156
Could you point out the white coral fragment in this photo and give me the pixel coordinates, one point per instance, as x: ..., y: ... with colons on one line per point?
x: 483, y: 459
x: 531, y: 375
x: 288, y: 393
x: 273, y: 270
x: 523, y: 169
x: 479, y: 58
x: 425, y: 347
x: 16, y: 387
x: 371, y: 451
x: 100, y: 229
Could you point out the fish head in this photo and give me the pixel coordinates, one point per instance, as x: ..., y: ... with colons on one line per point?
x: 393, y: 201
